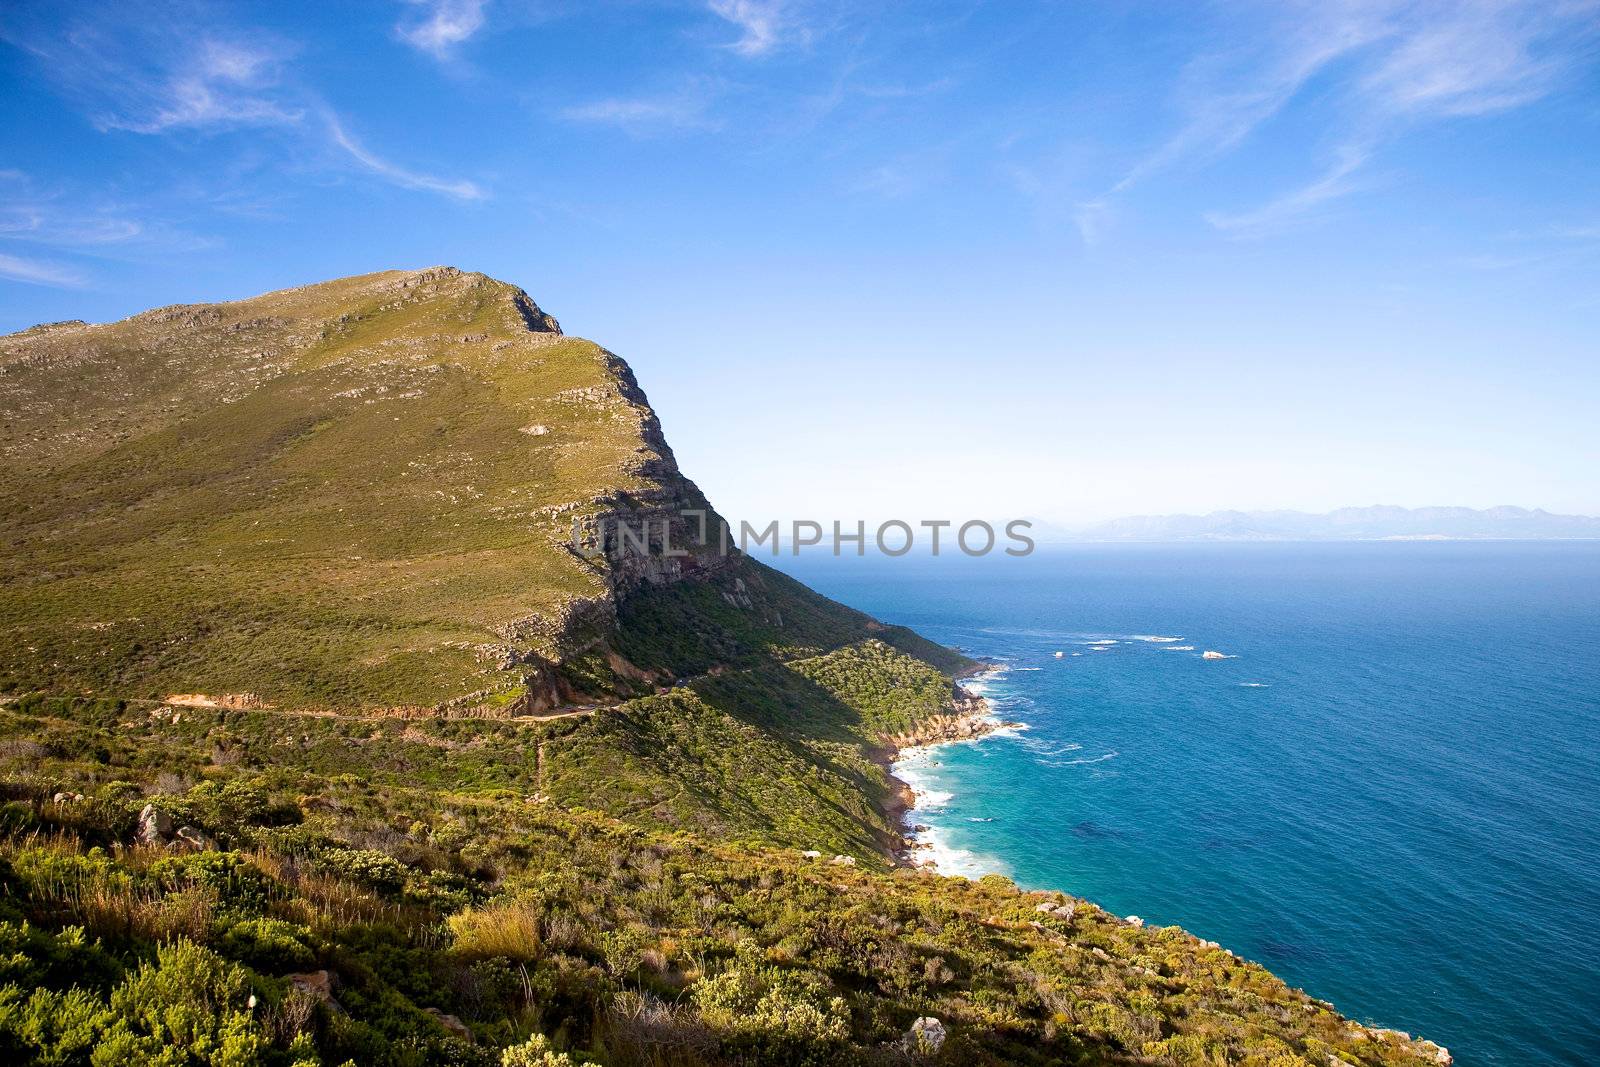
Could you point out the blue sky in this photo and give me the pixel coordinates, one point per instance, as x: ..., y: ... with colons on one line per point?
x: 919, y: 259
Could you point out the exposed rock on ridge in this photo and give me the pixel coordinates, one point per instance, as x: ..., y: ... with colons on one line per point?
x: 192, y: 491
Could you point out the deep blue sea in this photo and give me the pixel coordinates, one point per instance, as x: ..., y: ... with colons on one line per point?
x: 1389, y: 795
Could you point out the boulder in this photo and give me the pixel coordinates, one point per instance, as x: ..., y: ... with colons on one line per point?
x: 453, y: 1025
x: 926, y: 1036
x: 193, y: 839
x: 843, y: 861
x: 155, y: 826
x: 316, y: 984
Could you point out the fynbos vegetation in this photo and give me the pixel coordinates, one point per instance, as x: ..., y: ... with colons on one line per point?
x: 321, y: 744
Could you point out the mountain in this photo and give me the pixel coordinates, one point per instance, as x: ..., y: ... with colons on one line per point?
x: 342, y: 721
x: 1376, y: 523
x: 346, y: 495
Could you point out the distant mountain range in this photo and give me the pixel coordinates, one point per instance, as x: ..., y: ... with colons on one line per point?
x: 1378, y: 523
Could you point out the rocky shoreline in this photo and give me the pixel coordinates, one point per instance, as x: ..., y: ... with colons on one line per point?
x: 970, y: 719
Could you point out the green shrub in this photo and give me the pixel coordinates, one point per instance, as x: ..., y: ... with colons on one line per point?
x: 17, y: 817
x: 784, y: 1016
x: 367, y: 866
x: 49, y: 1028
x: 187, y: 1008
x: 535, y: 1052
x: 269, y: 945
x: 33, y: 957
x: 236, y: 881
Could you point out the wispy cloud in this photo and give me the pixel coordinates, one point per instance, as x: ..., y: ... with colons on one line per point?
x: 640, y: 116
x: 1093, y: 218
x: 1556, y: 245
x: 1225, y: 97
x: 46, y: 224
x: 176, y: 70
x: 438, y: 26
x: 762, y: 24
x: 889, y: 180
x: 1298, y: 205
x: 395, y: 174
x: 1385, y: 65
x: 37, y: 272
x: 47, y: 215
x: 217, y: 82
x: 1478, y: 57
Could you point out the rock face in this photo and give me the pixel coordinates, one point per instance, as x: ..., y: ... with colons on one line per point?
x: 192, y: 839
x: 155, y: 831
x: 968, y: 719
x: 316, y: 984
x: 452, y: 1024
x: 441, y: 403
x: 155, y: 826
x: 236, y: 701
x: 925, y: 1038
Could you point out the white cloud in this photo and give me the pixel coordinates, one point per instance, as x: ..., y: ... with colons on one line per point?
x: 397, y: 175
x: 1296, y: 206
x: 218, y: 84
x: 1093, y: 218
x: 1557, y: 245
x: 1479, y: 56
x: 443, y: 25
x: 40, y: 215
x: 762, y: 23
x: 889, y: 180
x: 640, y: 116
x: 44, y: 224
x: 36, y: 272
x: 1386, y: 65
x: 86, y: 218
x: 156, y: 67
x: 163, y: 72
x: 1226, y: 97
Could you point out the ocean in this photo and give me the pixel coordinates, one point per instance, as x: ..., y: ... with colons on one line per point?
x: 1388, y: 794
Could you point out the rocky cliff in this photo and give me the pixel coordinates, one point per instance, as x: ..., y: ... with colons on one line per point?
x: 598, y: 833
x: 361, y: 493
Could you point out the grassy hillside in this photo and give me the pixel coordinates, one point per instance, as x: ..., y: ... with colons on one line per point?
x: 352, y: 494
x: 395, y: 892
x: 321, y: 743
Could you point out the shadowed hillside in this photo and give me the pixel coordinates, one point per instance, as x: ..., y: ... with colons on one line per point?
x: 323, y: 742
x: 358, y: 494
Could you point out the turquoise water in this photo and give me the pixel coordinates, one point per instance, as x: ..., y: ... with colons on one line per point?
x: 1390, y: 796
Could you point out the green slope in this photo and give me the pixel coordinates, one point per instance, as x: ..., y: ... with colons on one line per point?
x: 459, y: 766
x: 415, y: 862
x: 351, y: 495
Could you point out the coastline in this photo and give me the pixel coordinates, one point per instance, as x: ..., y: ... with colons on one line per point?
x: 920, y: 848
x: 974, y: 719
